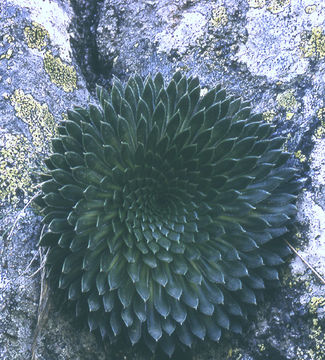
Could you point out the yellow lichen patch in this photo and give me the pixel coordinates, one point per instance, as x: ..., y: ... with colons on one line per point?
x: 289, y: 115
x: 61, y: 74
x: 315, y: 303
x: 15, y: 164
x: 313, y: 44
x: 277, y: 6
x: 261, y: 347
x: 268, y: 116
x: 320, y: 131
x: 310, y: 9
x: 9, y: 38
x: 219, y: 16
x: 7, y: 55
x: 40, y: 121
x: 299, y: 155
x: 256, y: 3
x: 287, y: 101
x: 36, y: 36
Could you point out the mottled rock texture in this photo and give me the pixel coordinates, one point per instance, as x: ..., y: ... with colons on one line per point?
x: 52, y: 53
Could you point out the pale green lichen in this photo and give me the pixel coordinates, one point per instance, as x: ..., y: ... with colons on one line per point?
x: 313, y: 43
x: 269, y: 115
x: 277, y: 6
x: 219, y: 16
x: 7, y: 55
x: 320, y: 131
x: 62, y: 75
x: 36, y: 36
x: 38, y: 118
x: 288, y: 101
x: 310, y: 9
x: 257, y: 4
x: 315, y: 303
x: 15, y: 165
x: 300, y: 156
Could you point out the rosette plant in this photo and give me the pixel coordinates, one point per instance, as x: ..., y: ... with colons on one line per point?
x: 165, y: 211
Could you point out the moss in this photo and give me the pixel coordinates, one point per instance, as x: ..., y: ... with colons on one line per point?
x: 313, y: 43
x: 38, y: 118
x: 36, y: 36
x: 15, y: 165
x: 277, y: 6
x: 62, y: 75
x: 269, y: 115
x: 256, y: 3
x: 310, y: 9
x: 219, y: 16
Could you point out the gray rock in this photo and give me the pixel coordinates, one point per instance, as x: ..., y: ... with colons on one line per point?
x: 270, y: 51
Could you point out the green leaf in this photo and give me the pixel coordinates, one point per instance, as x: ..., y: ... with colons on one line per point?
x: 213, y: 292
x: 117, y: 275
x: 88, y: 280
x: 247, y: 295
x: 48, y: 239
x: 59, y: 225
x: 71, y: 262
x: 71, y: 192
x: 74, y: 291
x: 127, y: 316
x: 101, y: 283
x: 207, y: 100
x: 115, y: 323
x: 197, y: 327
x: 62, y: 177
x: 168, y: 325
x: 159, y: 116
x: 178, y: 311
x: 190, y: 296
x: 142, y: 286
x: 140, y: 308
x: 73, y: 159
x: 184, y: 335
x: 94, y: 302
x: 108, y: 301
x: 134, y: 331
x: 160, y: 301
x: 116, y: 99
x: 213, y: 330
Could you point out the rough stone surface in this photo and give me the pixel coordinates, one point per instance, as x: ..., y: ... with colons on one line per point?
x: 51, y: 54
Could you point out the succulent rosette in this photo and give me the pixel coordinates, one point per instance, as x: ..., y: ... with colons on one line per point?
x: 165, y: 211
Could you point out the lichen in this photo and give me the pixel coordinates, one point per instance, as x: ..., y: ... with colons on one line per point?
x: 15, y: 164
x: 256, y: 3
x: 320, y: 131
x: 7, y: 55
x: 288, y: 101
x: 219, y: 16
x: 313, y: 43
x: 300, y: 156
x: 277, y: 6
x: 315, y: 303
x: 36, y: 36
x: 269, y: 115
x: 38, y: 118
x: 62, y: 75
x: 310, y: 9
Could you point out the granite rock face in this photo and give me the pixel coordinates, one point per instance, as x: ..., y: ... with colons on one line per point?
x: 52, y: 53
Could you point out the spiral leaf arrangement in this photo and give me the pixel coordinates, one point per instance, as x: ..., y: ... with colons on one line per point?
x: 165, y: 211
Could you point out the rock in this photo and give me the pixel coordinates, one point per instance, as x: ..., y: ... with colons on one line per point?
x: 51, y: 54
